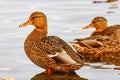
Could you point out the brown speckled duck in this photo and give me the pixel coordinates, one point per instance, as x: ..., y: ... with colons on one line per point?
x: 101, y: 26
x: 49, y: 52
x: 103, y: 44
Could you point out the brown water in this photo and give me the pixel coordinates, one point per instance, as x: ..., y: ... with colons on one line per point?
x: 65, y: 19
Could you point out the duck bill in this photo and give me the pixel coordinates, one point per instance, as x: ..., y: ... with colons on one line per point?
x: 88, y: 27
x: 24, y: 24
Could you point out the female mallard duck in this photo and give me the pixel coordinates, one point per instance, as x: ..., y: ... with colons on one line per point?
x: 101, y: 26
x: 49, y: 52
x: 103, y: 44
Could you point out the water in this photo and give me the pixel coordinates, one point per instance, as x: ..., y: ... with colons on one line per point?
x: 65, y: 18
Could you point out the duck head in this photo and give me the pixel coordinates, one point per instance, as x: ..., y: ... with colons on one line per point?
x: 38, y: 19
x: 99, y: 23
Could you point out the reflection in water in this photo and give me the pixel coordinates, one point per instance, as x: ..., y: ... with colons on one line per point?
x: 105, y: 59
x: 113, y: 6
x: 57, y: 76
x: 102, y: 66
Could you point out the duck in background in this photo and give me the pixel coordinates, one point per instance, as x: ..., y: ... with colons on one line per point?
x: 102, y: 29
x: 49, y: 52
x: 102, y: 45
x: 107, y: 1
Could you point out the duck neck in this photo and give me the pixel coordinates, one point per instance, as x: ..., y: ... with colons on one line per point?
x: 36, y: 34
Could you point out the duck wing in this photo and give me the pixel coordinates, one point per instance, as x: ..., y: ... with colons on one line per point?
x: 59, y: 50
x: 50, y: 51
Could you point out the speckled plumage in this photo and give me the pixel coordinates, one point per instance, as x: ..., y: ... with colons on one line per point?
x: 101, y: 26
x: 49, y: 51
x: 113, y: 31
x: 107, y: 37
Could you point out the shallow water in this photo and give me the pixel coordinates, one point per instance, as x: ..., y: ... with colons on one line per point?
x: 65, y: 18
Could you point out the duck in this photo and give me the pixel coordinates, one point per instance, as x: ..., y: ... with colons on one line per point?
x: 107, y: 1
x: 102, y: 45
x: 102, y: 28
x: 111, y: 1
x: 49, y: 52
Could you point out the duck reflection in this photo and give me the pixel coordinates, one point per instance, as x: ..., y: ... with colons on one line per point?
x: 103, y: 66
x: 107, y: 60
x: 57, y: 76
